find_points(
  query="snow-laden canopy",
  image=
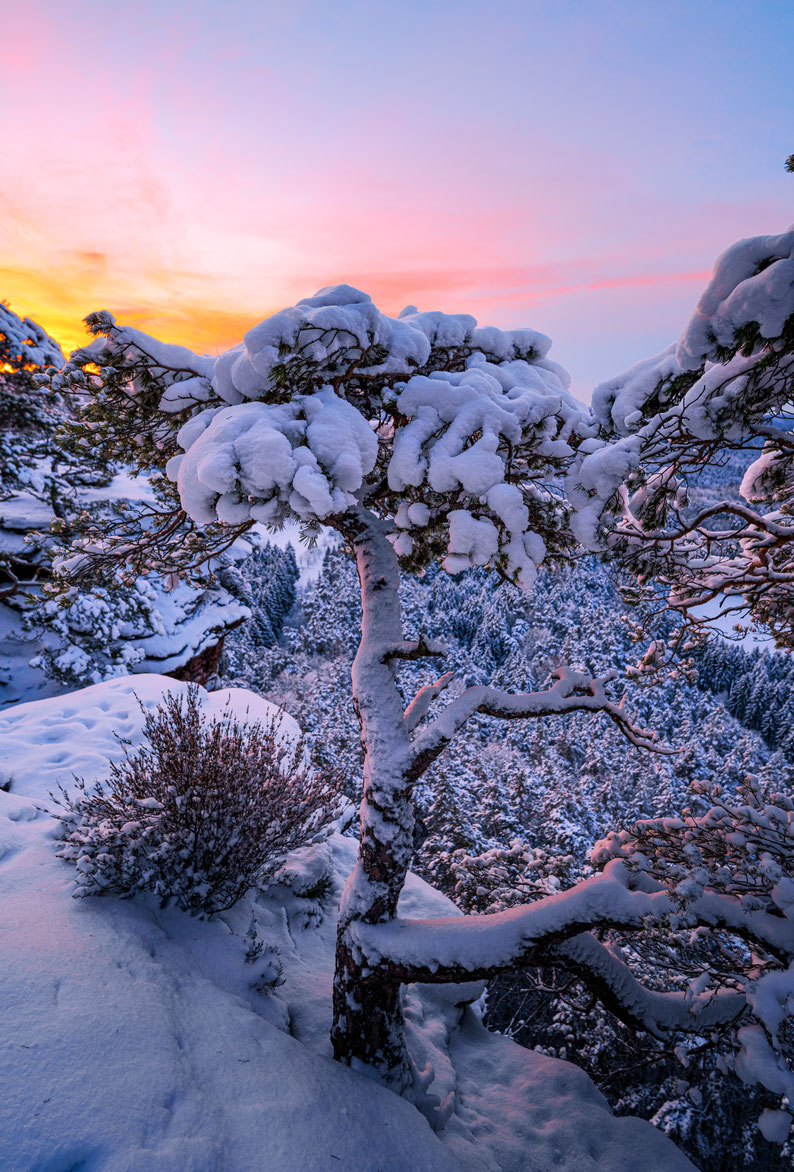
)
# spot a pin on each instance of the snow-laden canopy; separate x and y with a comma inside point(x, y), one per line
point(444, 439)
point(745, 306)
point(454, 433)
point(706, 387)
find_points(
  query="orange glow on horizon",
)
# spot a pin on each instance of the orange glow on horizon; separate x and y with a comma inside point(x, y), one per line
point(447, 175)
point(59, 307)
point(59, 302)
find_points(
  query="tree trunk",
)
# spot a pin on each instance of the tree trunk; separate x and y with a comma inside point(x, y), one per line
point(367, 1028)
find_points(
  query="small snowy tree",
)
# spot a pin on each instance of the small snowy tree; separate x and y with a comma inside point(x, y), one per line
point(27, 421)
point(418, 439)
point(118, 626)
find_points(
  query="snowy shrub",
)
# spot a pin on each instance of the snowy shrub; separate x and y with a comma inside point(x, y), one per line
point(267, 958)
point(199, 814)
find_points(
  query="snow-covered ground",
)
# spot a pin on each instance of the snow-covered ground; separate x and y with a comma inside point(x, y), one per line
point(134, 1040)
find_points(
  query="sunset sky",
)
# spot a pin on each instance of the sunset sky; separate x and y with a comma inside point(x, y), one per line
point(574, 167)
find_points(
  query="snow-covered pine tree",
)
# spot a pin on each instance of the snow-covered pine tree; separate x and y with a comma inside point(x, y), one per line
point(266, 581)
point(92, 634)
point(717, 401)
point(27, 423)
point(421, 439)
point(418, 439)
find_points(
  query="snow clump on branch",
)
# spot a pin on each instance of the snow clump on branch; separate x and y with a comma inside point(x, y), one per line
point(448, 430)
point(24, 345)
point(705, 387)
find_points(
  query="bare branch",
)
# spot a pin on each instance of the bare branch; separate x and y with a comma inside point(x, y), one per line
point(12, 587)
point(421, 648)
point(757, 521)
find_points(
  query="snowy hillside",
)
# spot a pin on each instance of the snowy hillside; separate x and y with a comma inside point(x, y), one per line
point(136, 1040)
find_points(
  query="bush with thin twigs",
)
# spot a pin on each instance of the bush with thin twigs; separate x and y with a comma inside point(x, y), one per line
point(200, 813)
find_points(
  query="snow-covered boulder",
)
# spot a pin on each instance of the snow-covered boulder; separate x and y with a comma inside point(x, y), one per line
point(138, 1039)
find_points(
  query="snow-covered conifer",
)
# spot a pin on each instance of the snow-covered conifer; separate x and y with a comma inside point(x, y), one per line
point(118, 626)
point(423, 441)
point(419, 439)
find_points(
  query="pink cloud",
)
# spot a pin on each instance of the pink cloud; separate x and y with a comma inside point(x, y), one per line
point(211, 205)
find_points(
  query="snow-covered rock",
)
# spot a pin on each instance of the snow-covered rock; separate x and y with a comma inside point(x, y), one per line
point(135, 1038)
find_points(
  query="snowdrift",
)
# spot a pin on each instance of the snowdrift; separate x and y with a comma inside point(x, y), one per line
point(136, 1040)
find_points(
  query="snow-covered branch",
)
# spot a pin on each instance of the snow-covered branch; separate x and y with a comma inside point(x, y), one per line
point(422, 701)
point(475, 947)
point(556, 930)
point(601, 969)
point(756, 524)
point(726, 387)
point(574, 691)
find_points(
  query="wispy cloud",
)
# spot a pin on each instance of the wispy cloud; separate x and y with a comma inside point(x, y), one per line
point(182, 306)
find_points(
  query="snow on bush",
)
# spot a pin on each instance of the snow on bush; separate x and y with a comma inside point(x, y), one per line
point(198, 815)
